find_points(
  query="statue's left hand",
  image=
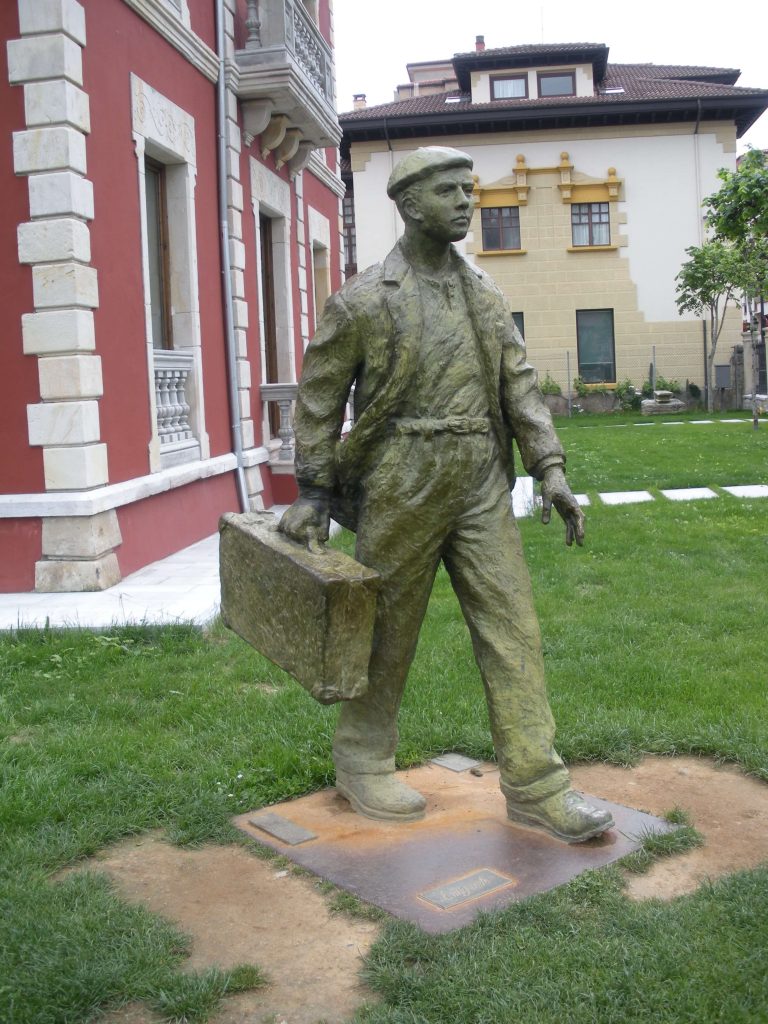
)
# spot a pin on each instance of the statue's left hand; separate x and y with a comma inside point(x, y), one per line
point(555, 491)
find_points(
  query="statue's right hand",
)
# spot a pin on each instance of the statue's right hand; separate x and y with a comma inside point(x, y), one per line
point(307, 521)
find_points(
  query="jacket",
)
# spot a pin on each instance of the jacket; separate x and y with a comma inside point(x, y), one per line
point(369, 336)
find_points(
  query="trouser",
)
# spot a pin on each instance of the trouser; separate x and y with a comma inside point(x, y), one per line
point(446, 497)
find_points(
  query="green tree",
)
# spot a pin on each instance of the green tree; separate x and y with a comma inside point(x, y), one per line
point(705, 285)
point(738, 212)
point(739, 209)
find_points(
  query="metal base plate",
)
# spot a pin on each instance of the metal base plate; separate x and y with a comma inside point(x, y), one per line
point(464, 857)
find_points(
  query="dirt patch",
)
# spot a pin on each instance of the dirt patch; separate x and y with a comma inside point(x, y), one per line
point(240, 909)
point(727, 807)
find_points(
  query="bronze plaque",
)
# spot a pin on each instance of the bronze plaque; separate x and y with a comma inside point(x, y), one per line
point(464, 890)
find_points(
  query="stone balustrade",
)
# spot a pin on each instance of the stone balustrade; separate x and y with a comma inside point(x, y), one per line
point(172, 371)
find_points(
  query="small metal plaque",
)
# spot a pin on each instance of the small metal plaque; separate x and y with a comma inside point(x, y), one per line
point(455, 762)
point(464, 890)
point(283, 829)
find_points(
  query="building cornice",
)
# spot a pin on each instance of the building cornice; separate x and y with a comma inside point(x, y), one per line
point(323, 173)
point(171, 27)
point(488, 118)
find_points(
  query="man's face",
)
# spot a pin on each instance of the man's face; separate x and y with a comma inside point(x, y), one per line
point(442, 207)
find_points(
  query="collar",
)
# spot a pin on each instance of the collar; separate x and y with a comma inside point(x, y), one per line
point(396, 266)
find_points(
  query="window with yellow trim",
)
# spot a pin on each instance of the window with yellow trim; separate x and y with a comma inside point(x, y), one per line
point(591, 224)
point(501, 227)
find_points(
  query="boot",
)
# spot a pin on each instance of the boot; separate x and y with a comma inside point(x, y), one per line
point(565, 815)
point(380, 796)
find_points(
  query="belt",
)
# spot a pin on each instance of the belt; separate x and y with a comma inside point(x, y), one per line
point(427, 426)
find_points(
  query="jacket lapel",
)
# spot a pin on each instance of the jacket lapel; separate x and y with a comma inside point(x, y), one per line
point(404, 308)
point(485, 312)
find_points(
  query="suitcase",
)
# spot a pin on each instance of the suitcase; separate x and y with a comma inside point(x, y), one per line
point(310, 613)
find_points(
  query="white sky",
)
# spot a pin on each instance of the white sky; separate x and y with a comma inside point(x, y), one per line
point(375, 40)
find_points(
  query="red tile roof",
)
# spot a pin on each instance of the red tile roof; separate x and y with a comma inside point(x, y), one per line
point(639, 82)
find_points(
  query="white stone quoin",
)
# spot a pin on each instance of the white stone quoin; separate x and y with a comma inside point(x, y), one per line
point(70, 377)
point(58, 330)
point(49, 149)
point(67, 16)
point(77, 468)
point(60, 194)
point(65, 238)
point(64, 284)
point(56, 102)
point(63, 423)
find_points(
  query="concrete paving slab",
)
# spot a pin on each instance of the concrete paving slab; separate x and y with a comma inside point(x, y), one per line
point(696, 422)
point(455, 762)
point(689, 493)
point(624, 497)
point(582, 499)
point(748, 491)
point(463, 858)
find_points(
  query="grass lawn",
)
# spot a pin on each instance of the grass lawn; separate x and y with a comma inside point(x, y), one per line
point(654, 640)
point(631, 453)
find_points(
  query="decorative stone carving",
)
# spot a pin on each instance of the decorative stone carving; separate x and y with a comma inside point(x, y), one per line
point(301, 159)
point(157, 118)
point(288, 147)
point(274, 134)
point(256, 115)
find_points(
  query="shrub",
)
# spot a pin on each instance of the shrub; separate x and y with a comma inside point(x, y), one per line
point(549, 386)
point(662, 384)
point(628, 395)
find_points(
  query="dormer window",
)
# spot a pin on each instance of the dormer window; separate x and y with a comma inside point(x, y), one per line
point(509, 87)
point(557, 83)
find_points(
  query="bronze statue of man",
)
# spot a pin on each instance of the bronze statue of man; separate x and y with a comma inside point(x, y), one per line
point(442, 388)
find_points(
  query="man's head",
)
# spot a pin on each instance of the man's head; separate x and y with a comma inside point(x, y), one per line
point(433, 191)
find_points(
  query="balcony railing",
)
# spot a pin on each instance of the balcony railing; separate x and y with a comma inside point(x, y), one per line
point(284, 395)
point(174, 430)
point(287, 64)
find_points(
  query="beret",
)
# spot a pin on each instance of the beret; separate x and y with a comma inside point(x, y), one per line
point(422, 163)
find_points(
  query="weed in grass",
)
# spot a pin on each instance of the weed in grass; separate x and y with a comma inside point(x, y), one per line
point(662, 844)
point(341, 902)
point(189, 998)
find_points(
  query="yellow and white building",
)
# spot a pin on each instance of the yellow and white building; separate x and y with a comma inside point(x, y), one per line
point(590, 179)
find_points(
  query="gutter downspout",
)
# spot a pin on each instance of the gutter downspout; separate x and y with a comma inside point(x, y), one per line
point(226, 279)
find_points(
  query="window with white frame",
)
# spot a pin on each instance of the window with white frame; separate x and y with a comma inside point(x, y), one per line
point(164, 142)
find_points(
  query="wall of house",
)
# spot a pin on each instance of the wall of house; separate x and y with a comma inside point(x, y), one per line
point(665, 173)
point(120, 44)
point(90, 493)
point(21, 466)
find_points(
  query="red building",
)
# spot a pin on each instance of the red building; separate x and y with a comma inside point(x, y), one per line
point(171, 225)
